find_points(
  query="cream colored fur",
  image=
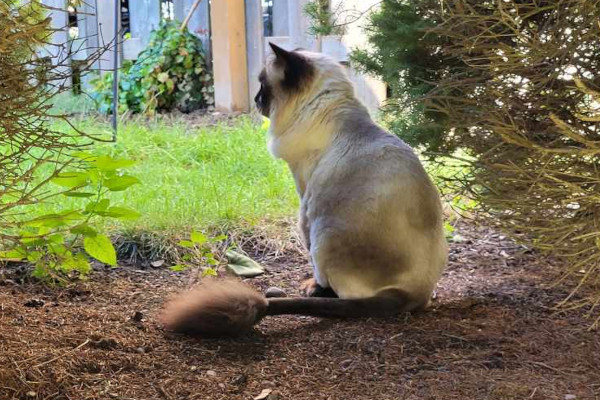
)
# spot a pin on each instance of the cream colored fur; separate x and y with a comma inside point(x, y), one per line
point(370, 216)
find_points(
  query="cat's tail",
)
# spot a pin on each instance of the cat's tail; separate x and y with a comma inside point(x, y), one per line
point(229, 307)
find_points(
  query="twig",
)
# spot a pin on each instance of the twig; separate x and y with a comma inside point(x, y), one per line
point(189, 16)
point(64, 354)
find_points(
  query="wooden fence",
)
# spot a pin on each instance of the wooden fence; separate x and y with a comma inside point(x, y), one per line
point(280, 21)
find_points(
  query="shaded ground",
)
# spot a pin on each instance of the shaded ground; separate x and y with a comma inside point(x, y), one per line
point(490, 335)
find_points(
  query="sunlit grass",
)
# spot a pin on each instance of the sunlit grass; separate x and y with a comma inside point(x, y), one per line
point(198, 177)
point(194, 177)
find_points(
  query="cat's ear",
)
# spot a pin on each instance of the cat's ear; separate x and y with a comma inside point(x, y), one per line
point(280, 53)
point(297, 69)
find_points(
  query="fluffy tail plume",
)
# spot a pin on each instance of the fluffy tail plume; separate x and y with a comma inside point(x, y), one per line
point(227, 308)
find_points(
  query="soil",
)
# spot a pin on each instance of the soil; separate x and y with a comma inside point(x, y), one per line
point(491, 333)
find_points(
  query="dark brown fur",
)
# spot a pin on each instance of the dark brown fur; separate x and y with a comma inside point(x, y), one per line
point(215, 308)
point(230, 308)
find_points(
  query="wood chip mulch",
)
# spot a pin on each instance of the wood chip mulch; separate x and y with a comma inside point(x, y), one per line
point(492, 333)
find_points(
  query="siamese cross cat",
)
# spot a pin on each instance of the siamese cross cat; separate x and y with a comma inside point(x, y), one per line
point(370, 216)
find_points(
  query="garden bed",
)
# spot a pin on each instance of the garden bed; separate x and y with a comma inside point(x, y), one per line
point(490, 334)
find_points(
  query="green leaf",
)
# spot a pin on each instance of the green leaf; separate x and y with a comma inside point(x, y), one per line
point(41, 271)
point(186, 243)
point(198, 238)
point(79, 194)
point(170, 85)
point(210, 259)
point(95, 207)
point(209, 272)
point(101, 248)
point(120, 213)
point(84, 156)
point(120, 183)
point(14, 254)
point(55, 220)
point(162, 77)
point(56, 238)
point(107, 163)
point(82, 264)
point(75, 263)
point(84, 230)
point(34, 256)
point(178, 267)
point(71, 179)
point(58, 249)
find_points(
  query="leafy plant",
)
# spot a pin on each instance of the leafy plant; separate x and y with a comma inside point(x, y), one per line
point(199, 252)
point(50, 242)
point(171, 73)
point(323, 21)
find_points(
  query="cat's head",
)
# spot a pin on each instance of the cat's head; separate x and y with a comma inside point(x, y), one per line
point(292, 76)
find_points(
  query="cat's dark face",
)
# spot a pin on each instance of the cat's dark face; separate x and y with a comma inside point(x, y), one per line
point(286, 74)
point(263, 97)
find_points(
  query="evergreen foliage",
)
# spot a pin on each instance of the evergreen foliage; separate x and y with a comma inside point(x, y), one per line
point(515, 84)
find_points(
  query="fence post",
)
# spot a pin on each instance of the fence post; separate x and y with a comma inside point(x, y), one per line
point(228, 27)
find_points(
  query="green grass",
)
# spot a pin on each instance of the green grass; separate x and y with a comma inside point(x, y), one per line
point(194, 178)
point(67, 103)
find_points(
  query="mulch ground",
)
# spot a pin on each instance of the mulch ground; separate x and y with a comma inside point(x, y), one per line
point(491, 334)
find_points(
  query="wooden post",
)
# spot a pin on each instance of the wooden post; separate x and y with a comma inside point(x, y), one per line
point(229, 55)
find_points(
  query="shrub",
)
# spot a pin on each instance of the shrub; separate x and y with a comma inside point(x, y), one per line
point(516, 85)
point(171, 73)
point(33, 155)
point(50, 241)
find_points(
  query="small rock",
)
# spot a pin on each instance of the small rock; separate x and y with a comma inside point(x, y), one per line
point(34, 303)
point(31, 394)
point(275, 292)
point(193, 368)
point(104, 344)
point(570, 397)
point(157, 263)
point(239, 380)
point(140, 350)
point(137, 317)
point(211, 373)
point(458, 238)
point(222, 386)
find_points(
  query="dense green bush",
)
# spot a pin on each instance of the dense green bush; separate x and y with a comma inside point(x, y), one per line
point(410, 63)
point(171, 73)
point(516, 86)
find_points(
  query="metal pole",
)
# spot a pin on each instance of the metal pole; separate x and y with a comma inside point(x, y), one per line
point(116, 71)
